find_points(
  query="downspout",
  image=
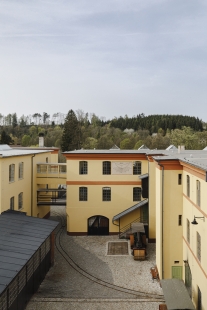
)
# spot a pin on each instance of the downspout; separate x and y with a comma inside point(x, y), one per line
point(32, 174)
point(162, 210)
point(117, 225)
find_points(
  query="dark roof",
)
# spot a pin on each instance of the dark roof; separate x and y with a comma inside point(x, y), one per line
point(176, 295)
point(136, 206)
point(20, 238)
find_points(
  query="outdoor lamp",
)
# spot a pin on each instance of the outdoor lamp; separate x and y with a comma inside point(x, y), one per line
point(194, 222)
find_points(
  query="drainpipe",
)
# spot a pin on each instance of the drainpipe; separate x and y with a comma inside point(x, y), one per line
point(32, 174)
point(162, 210)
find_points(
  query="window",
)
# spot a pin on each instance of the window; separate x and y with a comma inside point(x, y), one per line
point(83, 167)
point(11, 172)
point(106, 167)
point(188, 186)
point(198, 193)
point(20, 201)
point(83, 193)
point(198, 246)
point(179, 220)
point(106, 193)
point(188, 231)
point(179, 179)
point(21, 167)
point(137, 167)
point(137, 193)
point(12, 203)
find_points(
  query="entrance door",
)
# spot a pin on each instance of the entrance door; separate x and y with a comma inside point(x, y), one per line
point(98, 225)
point(177, 272)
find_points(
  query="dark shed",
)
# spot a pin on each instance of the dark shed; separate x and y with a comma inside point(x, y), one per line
point(176, 295)
point(26, 254)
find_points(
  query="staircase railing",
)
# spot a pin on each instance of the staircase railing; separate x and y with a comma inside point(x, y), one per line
point(141, 219)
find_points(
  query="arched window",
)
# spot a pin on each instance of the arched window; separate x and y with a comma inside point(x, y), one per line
point(198, 193)
point(188, 185)
point(137, 167)
point(106, 193)
point(137, 193)
point(106, 167)
point(83, 193)
point(83, 167)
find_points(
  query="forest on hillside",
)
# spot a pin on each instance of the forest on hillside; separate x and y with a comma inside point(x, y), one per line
point(78, 129)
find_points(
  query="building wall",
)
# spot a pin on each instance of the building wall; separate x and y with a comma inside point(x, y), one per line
point(168, 211)
point(24, 185)
point(190, 209)
point(152, 200)
point(121, 192)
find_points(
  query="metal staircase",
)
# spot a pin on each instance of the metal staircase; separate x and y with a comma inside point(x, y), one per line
point(133, 227)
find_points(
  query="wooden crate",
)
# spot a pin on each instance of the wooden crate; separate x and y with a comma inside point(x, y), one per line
point(162, 307)
point(139, 254)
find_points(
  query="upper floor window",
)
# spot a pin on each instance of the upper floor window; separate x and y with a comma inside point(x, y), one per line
point(137, 167)
point(137, 193)
point(198, 246)
point(12, 203)
point(198, 193)
point(20, 201)
point(11, 172)
point(188, 231)
point(179, 179)
point(21, 170)
point(106, 193)
point(106, 167)
point(83, 167)
point(188, 185)
point(83, 193)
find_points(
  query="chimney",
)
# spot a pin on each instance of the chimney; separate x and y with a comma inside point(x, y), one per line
point(41, 139)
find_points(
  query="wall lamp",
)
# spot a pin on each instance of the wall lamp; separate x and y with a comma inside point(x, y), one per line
point(194, 222)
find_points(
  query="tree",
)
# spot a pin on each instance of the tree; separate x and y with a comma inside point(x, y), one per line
point(5, 139)
point(45, 117)
point(71, 133)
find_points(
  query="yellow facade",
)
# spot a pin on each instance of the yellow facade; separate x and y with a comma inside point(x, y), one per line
point(121, 185)
point(18, 180)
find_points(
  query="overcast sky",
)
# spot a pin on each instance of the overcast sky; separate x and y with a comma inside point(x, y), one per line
point(108, 57)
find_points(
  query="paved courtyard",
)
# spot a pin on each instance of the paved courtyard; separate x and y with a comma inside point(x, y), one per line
point(67, 287)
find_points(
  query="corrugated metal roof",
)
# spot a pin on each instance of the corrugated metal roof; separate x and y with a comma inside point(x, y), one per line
point(176, 295)
point(123, 213)
point(20, 238)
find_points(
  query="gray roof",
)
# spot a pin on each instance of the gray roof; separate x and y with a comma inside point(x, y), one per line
point(143, 176)
point(171, 147)
point(20, 152)
point(20, 238)
point(176, 295)
point(123, 213)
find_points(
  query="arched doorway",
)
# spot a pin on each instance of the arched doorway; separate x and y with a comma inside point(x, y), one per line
point(98, 225)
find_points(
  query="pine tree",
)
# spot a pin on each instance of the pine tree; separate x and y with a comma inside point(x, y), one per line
point(71, 133)
point(5, 139)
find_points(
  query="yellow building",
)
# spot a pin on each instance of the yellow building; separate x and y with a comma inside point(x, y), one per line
point(102, 184)
point(19, 181)
point(109, 190)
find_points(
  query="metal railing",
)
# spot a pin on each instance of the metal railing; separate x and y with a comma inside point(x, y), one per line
point(125, 229)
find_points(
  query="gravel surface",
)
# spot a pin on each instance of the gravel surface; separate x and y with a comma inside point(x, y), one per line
point(65, 288)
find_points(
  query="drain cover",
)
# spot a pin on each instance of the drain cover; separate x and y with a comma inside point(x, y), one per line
point(117, 248)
